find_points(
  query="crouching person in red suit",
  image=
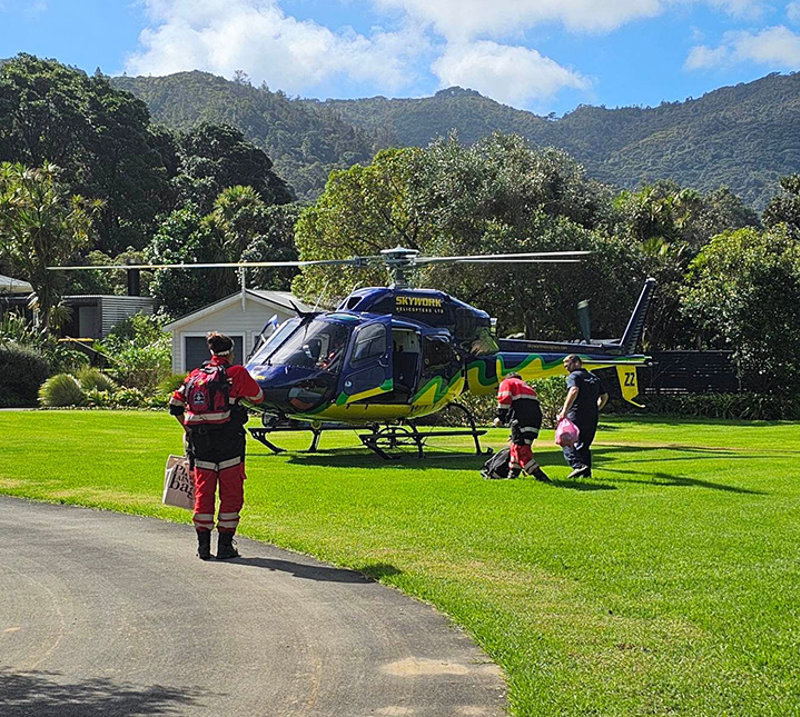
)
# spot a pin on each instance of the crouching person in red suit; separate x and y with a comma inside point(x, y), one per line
point(208, 406)
point(518, 405)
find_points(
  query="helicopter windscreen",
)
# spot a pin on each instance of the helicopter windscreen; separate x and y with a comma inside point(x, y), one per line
point(321, 344)
point(275, 340)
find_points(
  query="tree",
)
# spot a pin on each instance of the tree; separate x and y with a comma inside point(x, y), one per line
point(362, 211)
point(785, 207)
point(274, 242)
point(183, 238)
point(240, 227)
point(499, 196)
point(743, 290)
point(99, 137)
point(214, 157)
point(41, 225)
point(668, 225)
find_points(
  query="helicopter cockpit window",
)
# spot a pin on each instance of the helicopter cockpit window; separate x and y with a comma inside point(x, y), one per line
point(275, 340)
point(484, 343)
point(371, 343)
point(320, 344)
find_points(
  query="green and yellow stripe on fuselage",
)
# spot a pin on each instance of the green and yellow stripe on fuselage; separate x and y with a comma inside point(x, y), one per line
point(482, 376)
point(485, 373)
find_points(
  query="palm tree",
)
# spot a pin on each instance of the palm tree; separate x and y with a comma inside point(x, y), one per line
point(41, 225)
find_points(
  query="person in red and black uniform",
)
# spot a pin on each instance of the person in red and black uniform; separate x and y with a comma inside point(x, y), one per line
point(216, 446)
point(518, 405)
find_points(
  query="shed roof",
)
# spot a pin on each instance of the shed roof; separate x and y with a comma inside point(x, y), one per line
point(279, 299)
point(14, 286)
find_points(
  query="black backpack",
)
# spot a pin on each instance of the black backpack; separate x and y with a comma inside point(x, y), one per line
point(497, 465)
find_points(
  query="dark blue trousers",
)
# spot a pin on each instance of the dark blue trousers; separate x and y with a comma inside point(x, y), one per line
point(579, 454)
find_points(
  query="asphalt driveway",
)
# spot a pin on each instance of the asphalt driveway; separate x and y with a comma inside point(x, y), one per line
point(109, 614)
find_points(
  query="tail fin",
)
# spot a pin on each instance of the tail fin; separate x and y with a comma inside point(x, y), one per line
point(633, 331)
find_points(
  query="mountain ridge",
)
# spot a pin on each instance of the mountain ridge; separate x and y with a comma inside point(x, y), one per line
point(741, 136)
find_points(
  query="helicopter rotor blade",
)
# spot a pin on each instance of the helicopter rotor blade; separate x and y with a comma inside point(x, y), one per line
point(516, 261)
point(501, 257)
point(355, 261)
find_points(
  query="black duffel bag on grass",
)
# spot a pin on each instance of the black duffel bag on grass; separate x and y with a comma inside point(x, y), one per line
point(496, 468)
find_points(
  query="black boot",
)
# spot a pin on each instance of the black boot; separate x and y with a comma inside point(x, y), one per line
point(204, 544)
point(540, 475)
point(225, 547)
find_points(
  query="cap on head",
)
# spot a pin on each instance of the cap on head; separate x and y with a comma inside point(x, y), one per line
point(513, 374)
point(219, 344)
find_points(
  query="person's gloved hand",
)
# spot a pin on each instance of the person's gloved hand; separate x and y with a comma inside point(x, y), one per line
point(497, 423)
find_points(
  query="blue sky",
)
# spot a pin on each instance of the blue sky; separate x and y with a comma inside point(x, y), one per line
point(542, 55)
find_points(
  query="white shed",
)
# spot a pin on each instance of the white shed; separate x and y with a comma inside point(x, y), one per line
point(242, 316)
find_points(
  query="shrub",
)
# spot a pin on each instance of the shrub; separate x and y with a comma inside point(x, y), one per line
point(14, 329)
point(129, 398)
point(61, 390)
point(22, 370)
point(171, 383)
point(64, 359)
point(95, 398)
point(141, 352)
point(93, 379)
point(551, 392)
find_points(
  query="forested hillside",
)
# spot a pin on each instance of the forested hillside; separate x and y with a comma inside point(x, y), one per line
point(743, 137)
point(304, 145)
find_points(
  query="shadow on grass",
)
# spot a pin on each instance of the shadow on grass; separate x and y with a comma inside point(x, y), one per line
point(46, 695)
point(582, 485)
point(608, 452)
point(353, 458)
point(667, 479)
point(679, 421)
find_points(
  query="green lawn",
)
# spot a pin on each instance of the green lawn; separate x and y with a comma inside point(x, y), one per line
point(669, 583)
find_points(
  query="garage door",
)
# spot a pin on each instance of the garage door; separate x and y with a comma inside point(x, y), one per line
point(195, 351)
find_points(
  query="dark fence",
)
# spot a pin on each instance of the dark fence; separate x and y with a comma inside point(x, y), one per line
point(676, 372)
point(673, 373)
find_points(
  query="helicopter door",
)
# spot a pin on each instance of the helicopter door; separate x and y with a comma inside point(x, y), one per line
point(368, 371)
point(441, 367)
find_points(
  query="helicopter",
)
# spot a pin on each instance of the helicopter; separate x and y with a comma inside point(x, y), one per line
point(387, 356)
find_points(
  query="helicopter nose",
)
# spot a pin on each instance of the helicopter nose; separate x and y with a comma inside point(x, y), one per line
point(293, 389)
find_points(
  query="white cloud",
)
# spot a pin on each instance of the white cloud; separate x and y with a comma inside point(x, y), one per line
point(223, 36)
point(739, 8)
point(460, 20)
point(778, 47)
point(514, 75)
point(793, 11)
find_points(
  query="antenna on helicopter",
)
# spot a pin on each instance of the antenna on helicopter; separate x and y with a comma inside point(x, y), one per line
point(321, 294)
point(585, 320)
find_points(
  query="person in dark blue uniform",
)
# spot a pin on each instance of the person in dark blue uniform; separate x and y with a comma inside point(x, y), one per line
point(586, 397)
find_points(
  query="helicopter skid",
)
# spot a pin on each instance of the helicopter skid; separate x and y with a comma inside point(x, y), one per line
point(383, 440)
point(392, 438)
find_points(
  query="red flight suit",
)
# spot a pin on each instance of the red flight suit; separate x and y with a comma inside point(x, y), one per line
point(518, 402)
point(216, 447)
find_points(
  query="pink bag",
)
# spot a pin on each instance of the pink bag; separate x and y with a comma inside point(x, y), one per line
point(567, 433)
